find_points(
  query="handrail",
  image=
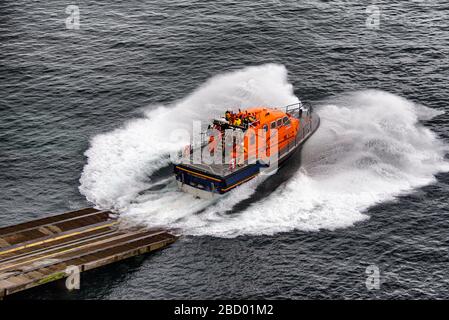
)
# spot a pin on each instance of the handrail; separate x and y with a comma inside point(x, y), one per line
point(307, 108)
point(299, 104)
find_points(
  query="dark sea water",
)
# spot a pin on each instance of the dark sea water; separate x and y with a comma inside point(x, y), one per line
point(59, 88)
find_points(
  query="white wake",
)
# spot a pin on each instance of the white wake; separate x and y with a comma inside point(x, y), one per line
point(369, 148)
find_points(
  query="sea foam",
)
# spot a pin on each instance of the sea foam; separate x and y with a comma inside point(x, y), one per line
point(369, 148)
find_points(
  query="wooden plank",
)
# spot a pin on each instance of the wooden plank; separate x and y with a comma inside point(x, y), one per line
point(4, 243)
point(29, 279)
point(46, 220)
point(49, 258)
point(85, 238)
point(60, 226)
point(64, 235)
point(25, 266)
point(61, 243)
point(127, 254)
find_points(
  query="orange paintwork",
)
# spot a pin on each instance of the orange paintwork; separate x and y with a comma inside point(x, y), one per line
point(265, 117)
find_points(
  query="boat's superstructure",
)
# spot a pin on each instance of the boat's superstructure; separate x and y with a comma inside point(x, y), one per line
point(238, 147)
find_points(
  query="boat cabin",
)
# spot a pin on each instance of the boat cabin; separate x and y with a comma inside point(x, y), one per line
point(254, 123)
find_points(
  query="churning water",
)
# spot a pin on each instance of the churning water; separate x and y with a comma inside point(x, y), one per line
point(85, 116)
point(370, 148)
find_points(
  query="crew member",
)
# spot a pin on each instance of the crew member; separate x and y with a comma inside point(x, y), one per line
point(228, 115)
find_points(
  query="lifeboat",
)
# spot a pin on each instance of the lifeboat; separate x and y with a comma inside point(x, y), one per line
point(239, 146)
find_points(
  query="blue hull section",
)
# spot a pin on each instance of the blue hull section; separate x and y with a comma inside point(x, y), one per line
point(212, 183)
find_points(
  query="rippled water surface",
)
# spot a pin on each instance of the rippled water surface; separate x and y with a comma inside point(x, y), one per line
point(85, 114)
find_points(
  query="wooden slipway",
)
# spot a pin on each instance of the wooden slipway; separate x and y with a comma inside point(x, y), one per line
point(40, 251)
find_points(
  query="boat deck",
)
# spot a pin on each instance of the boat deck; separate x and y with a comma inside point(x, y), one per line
point(223, 170)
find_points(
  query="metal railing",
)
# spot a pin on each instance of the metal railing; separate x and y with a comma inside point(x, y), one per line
point(298, 110)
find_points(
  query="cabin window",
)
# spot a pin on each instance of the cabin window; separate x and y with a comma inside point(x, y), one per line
point(286, 121)
point(265, 128)
point(279, 122)
point(273, 125)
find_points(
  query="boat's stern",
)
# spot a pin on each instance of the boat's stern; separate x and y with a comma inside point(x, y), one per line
point(206, 185)
point(197, 183)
